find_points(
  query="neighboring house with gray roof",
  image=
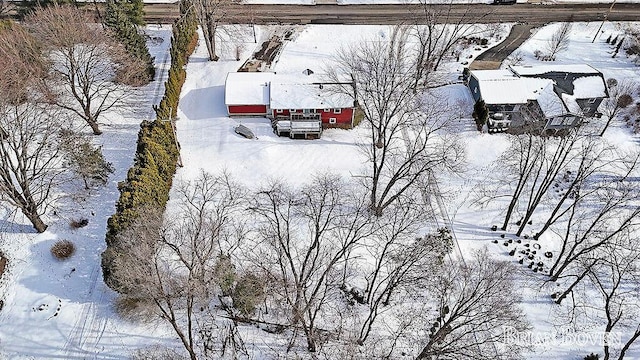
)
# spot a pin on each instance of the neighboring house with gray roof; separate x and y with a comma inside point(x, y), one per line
point(547, 97)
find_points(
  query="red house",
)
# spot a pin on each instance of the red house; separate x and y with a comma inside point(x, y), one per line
point(247, 94)
point(311, 100)
point(296, 106)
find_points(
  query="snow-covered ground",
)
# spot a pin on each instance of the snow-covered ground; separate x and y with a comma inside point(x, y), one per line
point(50, 305)
point(63, 310)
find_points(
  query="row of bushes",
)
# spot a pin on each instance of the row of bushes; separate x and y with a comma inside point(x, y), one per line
point(149, 181)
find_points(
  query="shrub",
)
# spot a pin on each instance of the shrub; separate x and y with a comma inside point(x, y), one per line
point(156, 352)
point(592, 356)
point(480, 114)
point(624, 100)
point(248, 293)
point(134, 309)
point(77, 224)
point(63, 249)
point(225, 274)
point(3, 264)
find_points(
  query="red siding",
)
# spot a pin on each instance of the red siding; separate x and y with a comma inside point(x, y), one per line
point(343, 119)
point(247, 109)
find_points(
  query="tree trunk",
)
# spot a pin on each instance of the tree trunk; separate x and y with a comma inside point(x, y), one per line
point(94, 127)
point(606, 126)
point(36, 221)
point(570, 288)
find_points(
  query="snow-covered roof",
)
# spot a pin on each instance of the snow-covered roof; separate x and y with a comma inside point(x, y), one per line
point(493, 75)
point(501, 87)
point(550, 104)
point(571, 104)
point(286, 95)
point(528, 70)
point(589, 87)
point(504, 87)
point(247, 88)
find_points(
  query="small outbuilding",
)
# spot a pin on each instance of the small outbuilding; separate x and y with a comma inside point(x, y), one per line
point(247, 93)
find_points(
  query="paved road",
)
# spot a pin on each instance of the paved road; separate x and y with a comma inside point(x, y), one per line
point(492, 58)
point(391, 14)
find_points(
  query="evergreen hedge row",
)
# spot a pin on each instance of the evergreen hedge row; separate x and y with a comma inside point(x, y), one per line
point(123, 17)
point(149, 180)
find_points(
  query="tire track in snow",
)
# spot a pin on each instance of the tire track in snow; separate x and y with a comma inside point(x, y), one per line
point(85, 335)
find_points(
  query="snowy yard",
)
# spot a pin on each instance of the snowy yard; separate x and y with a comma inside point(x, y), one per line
point(63, 310)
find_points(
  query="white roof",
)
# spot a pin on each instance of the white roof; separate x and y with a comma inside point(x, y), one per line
point(504, 87)
point(286, 95)
point(589, 87)
point(247, 88)
point(528, 70)
point(550, 104)
point(493, 74)
point(572, 104)
point(501, 87)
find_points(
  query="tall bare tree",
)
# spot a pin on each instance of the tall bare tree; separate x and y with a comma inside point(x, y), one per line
point(600, 221)
point(177, 268)
point(93, 71)
point(437, 33)
point(532, 165)
point(308, 234)
point(620, 97)
point(474, 304)
point(407, 131)
point(616, 282)
point(211, 14)
point(559, 41)
point(29, 142)
point(30, 161)
point(399, 262)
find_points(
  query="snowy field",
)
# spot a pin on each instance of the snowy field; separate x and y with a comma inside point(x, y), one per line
point(63, 310)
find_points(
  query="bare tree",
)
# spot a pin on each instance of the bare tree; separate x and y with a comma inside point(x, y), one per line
point(589, 161)
point(559, 41)
point(29, 142)
point(211, 14)
point(407, 131)
point(402, 261)
point(29, 159)
point(599, 221)
point(533, 165)
point(620, 96)
point(177, 268)
point(616, 282)
point(475, 303)
point(437, 33)
point(308, 234)
point(93, 71)
point(25, 68)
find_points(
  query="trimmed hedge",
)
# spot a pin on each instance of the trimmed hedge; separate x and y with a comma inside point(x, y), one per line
point(149, 181)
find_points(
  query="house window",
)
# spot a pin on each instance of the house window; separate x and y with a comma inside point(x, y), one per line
point(292, 110)
point(592, 101)
point(327, 110)
point(279, 111)
point(332, 120)
point(337, 111)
